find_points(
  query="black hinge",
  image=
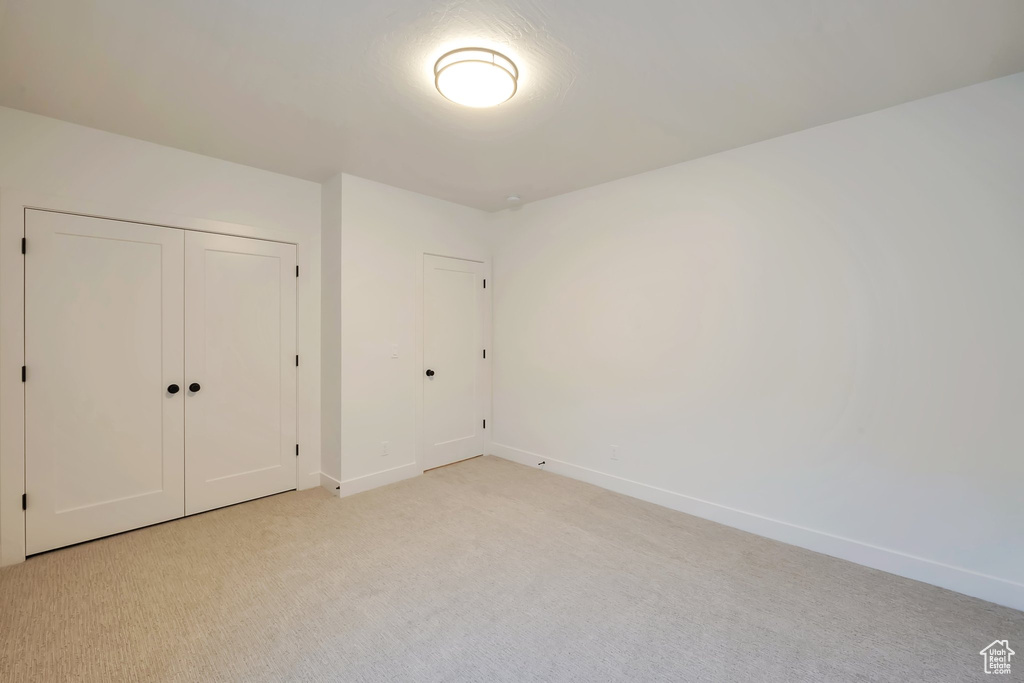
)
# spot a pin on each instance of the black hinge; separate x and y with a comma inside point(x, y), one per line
point(296, 360)
point(22, 245)
point(296, 271)
point(24, 373)
point(485, 283)
point(296, 449)
point(485, 353)
point(485, 424)
point(24, 501)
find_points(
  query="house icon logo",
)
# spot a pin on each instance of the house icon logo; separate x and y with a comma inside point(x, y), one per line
point(997, 657)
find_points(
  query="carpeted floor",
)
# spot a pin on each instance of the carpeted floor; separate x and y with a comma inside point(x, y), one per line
point(482, 571)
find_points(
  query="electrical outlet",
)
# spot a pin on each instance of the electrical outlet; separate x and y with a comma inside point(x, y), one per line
point(385, 448)
point(394, 350)
point(614, 452)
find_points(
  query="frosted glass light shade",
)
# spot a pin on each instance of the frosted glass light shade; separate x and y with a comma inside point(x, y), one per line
point(476, 77)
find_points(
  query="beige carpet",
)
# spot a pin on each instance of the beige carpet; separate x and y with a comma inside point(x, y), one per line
point(482, 571)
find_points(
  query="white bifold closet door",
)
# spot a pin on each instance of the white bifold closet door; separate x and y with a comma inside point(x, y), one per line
point(104, 439)
point(240, 358)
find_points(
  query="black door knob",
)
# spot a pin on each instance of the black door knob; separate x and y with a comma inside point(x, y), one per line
point(194, 387)
point(173, 389)
point(430, 373)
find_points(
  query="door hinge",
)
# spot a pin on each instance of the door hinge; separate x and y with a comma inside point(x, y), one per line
point(24, 373)
point(296, 449)
point(24, 501)
point(23, 243)
point(296, 360)
point(485, 353)
point(485, 424)
point(296, 271)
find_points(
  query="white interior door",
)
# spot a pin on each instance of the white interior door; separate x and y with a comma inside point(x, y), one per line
point(453, 300)
point(240, 370)
point(104, 436)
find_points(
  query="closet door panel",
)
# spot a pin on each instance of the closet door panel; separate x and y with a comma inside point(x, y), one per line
point(104, 448)
point(240, 369)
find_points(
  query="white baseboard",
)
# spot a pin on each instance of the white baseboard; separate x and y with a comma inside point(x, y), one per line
point(330, 483)
point(371, 481)
point(991, 588)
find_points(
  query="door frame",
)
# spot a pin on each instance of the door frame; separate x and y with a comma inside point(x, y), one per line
point(13, 204)
point(486, 340)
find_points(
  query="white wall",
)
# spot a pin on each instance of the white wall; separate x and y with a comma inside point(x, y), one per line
point(330, 347)
point(816, 338)
point(53, 157)
point(384, 233)
point(130, 177)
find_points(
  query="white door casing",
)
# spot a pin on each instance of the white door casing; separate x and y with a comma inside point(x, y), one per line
point(453, 334)
point(240, 426)
point(104, 439)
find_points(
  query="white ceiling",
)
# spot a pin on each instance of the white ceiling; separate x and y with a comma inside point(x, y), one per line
point(608, 88)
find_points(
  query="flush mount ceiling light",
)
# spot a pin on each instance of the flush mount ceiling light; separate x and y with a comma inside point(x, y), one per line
point(476, 77)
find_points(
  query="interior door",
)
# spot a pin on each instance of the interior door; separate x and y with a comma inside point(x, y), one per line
point(453, 299)
point(240, 370)
point(104, 430)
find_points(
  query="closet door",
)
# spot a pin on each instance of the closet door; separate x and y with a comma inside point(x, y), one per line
point(240, 370)
point(104, 428)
